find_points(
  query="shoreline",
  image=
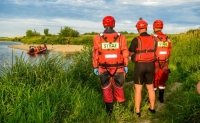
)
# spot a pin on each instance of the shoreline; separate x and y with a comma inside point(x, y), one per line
point(68, 49)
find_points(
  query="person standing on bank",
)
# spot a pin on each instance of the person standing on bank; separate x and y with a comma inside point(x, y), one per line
point(68, 42)
point(52, 43)
point(110, 62)
point(163, 51)
point(142, 52)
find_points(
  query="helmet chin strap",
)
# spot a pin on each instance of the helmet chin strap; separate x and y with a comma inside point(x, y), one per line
point(109, 30)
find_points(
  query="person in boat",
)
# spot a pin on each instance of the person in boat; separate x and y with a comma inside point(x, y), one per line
point(35, 49)
point(39, 48)
point(31, 49)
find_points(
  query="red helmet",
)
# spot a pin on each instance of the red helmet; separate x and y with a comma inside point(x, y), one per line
point(141, 24)
point(109, 21)
point(158, 24)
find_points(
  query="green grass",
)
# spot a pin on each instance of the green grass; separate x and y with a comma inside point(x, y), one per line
point(81, 40)
point(65, 89)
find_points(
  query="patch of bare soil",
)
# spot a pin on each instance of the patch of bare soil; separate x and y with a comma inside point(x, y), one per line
point(158, 106)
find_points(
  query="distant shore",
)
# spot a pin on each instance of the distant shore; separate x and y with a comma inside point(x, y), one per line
point(54, 48)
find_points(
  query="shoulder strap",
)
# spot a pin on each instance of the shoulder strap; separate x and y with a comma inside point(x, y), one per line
point(161, 37)
point(105, 38)
point(139, 42)
point(155, 43)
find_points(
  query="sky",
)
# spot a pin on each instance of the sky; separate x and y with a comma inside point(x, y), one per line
point(18, 16)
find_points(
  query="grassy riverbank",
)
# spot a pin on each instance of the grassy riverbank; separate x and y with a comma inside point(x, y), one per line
point(81, 40)
point(59, 90)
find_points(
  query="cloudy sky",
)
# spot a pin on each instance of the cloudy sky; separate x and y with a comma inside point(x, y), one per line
point(18, 16)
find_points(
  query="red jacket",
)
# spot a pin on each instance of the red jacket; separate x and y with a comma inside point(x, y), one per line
point(110, 50)
point(164, 47)
point(145, 52)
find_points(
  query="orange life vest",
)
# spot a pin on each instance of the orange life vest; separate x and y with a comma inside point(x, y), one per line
point(110, 54)
point(163, 48)
point(145, 51)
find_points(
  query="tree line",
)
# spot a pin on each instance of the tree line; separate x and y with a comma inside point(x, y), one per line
point(64, 32)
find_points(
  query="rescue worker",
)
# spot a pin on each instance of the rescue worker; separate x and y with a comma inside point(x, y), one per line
point(163, 51)
point(68, 42)
point(52, 43)
point(39, 48)
point(110, 62)
point(35, 49)
point(31, 49)
point(142, 52)
point(45, 46)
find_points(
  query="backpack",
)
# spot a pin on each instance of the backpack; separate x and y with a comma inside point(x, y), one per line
point(162, 48)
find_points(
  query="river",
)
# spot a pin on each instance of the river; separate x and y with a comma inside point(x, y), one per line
point(7, 55)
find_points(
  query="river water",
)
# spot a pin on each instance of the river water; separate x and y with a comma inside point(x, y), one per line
point(7, 55)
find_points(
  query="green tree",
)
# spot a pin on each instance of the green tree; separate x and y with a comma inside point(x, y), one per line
point(29, 33)
point(68, 32)
point(123, 32)
point(91, 33)
point(46, 32)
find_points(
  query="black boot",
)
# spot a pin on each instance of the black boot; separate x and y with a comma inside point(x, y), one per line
point(152, 110)
point(161, 96)
point(109, 108)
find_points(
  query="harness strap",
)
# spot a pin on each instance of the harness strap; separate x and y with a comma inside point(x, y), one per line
point(111, 65)
point(105, 38)
point(108, 65)
point(144, 51)
point(162, 66)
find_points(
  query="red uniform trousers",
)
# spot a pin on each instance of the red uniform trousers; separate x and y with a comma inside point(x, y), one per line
point(112, 83)
point(161, 75)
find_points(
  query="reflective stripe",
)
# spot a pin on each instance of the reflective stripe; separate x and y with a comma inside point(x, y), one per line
point(161, 87)
point(101, 34)
point(163, 52)
point(118, 34)
point(111, 56)
point(106, 86)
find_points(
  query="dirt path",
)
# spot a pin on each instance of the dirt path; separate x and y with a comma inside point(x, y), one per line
point(173, 87)
point(158, 105)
